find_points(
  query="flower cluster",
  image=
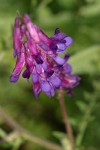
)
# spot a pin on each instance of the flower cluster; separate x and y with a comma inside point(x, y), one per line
point(44, 58)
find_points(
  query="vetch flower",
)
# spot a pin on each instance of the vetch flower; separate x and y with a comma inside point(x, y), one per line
point(40, 56)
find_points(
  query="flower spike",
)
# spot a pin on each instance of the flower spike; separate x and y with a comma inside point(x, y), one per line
point(39, 54)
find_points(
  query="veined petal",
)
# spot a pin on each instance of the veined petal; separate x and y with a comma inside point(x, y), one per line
point(35, 77)
point(32, 46)
point(44, 65)
point(17, 37)
point(36, 89)
point(45, 86)
point(55, 81)
point(43, 37)
point(70, 81)
point(18, 68)
point(51, 92)
point(38, 68)
point(32, 28)
point(43, 46)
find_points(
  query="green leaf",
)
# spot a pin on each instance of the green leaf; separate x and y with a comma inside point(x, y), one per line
point(2, 133)
point(63, 139)
point(1, 56)
point(87, 61)
point(81, 105)
point(91, 10)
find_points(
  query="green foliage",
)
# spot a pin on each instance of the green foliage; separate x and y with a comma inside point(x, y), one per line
point(79, 19)
point(86, 61)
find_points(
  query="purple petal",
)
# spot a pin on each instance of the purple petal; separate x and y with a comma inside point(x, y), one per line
point(35, 77)
point(27, 18)
point(32, 28)
point(38, 68)
point(53, 46)
point(44, 65)
point(45, 86)
point(22, 29)
point(43, 37)
point(58, 36)
point(61, 46)
point(59, 60)
point(26, 74)
point(43, 46)
point(31, 45)
point(18, 68)
point(55, 81)
point(14, 78)
point(49, 73)
point(38, 60)
point(36, 89)
point(68, 40)
point(67, 68)
point(71, 81)
point(57, 31)
point(17, 38)
point(52, 91)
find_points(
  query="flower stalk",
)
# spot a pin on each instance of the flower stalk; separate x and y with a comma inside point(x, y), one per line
point(68, 128)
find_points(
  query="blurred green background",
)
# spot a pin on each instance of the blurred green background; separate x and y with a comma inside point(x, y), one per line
point(79, 19)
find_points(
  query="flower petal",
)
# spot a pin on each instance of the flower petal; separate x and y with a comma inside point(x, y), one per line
point(67, 68)
point(18, 68)
point(49, 73)
point(36, 89)
point(70, 81)
point(38, 60)
point(44, 65)
point(57, 31)
point(61, 61)
point(43, 46)
point(55, 81)
point(45, 86)
point(35, 77)
point(61, 46)
point(26, 74)
point(32, 46)
point(32, 28)
point(17, 38)
point(68, 40)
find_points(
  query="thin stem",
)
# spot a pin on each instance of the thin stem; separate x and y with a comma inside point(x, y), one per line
point(66, 120)
point(26, 134)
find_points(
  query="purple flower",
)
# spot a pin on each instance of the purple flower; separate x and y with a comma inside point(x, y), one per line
point(39, 54)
